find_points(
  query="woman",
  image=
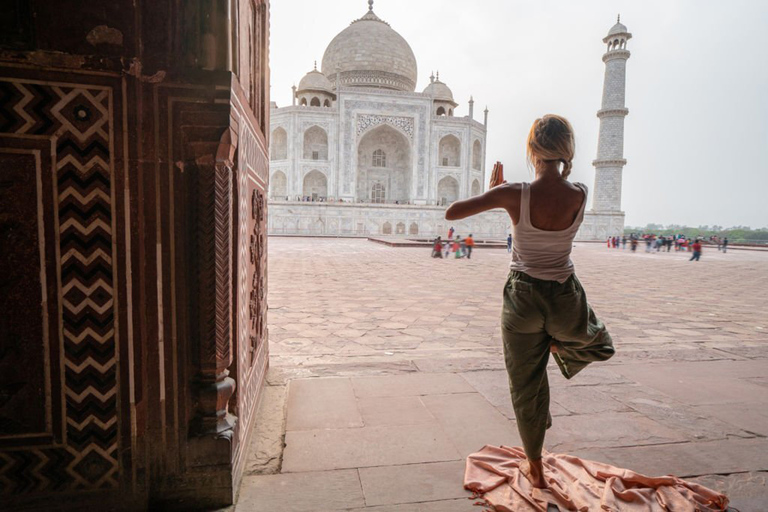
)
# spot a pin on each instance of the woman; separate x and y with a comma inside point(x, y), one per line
point(545, 307)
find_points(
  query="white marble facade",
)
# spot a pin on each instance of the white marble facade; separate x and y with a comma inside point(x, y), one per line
point(360, 152)
point(359, 134)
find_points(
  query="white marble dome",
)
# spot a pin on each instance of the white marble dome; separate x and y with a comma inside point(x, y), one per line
point(439, 91)
point(369, 53)
point(315, 81)
point(618, 28)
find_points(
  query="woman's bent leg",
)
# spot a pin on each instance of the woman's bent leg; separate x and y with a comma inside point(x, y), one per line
point(581, 338)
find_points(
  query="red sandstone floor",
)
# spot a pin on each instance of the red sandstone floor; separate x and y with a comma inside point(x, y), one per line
point(387, 371)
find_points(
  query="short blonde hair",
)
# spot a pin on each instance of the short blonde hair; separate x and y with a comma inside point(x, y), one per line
point(551, 138)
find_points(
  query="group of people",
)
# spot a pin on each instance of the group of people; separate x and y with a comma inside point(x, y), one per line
point(461, 248)
point(659, 243)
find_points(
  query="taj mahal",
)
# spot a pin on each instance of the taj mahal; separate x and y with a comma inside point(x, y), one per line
point(361, 153)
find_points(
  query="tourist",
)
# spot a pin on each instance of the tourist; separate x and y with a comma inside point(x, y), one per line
point(509, 243)
point(623, 242)
point(696, 250)
point(469, 243)
point(545, 307)
point(633, 244)
point(457, 247)
point(725, 245)
point(450, 233)
point(437, 248)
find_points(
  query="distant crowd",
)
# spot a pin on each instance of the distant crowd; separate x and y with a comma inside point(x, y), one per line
point(459, 247)
point(659, 243)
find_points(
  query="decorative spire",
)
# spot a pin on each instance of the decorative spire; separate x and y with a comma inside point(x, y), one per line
point(618, 18)
point(315, 65)
point(370, 5)
point(432, 78)
point(438, 75)
point(471, 99)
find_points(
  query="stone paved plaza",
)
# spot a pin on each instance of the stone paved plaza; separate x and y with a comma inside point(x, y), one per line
point(386, 372)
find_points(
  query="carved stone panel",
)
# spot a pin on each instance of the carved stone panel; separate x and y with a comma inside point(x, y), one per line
point(74, 123)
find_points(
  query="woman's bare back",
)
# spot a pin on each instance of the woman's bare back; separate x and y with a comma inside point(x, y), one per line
point(555, 203)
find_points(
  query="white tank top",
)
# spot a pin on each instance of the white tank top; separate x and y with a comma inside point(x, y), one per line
point(544, 254)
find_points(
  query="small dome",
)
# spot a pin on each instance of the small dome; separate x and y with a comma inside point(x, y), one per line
point(369, 53)
point(315, 81)
point(439, 91)
point(618, 28)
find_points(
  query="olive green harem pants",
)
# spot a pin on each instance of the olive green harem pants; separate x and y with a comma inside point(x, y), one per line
point(536, 314)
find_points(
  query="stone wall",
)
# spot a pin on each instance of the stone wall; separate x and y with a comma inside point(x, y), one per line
point(341, 219)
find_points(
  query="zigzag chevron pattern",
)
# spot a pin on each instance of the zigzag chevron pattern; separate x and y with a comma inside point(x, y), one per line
point(77, 119)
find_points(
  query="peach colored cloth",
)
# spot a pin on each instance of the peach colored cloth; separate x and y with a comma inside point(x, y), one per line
point(498, 475)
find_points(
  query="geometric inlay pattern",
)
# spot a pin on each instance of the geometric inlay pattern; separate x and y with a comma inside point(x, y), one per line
point(77, 119)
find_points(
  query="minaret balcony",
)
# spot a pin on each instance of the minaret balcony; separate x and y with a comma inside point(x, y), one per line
point(612, 112)
point(617, 162)
point(616, 54)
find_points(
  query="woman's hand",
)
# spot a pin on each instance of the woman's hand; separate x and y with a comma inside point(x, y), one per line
point(497, 175)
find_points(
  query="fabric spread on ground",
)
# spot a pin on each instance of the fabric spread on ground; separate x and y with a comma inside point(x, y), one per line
point(498, 474)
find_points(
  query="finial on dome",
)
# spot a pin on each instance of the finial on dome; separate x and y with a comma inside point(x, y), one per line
point(618, 18)
point(370, 5)
point(471, 99)
point(438, 76)
point(432, 78)
point(315, 65)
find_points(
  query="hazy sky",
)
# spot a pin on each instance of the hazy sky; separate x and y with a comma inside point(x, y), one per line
point(697, 87)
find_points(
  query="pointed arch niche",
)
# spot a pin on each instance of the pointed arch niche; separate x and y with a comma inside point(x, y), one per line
point(278, 186)
point(447, 190)
point(278, 144)
point(450, 151)
point(315, 185)
point(384, 157)
point(315, 144)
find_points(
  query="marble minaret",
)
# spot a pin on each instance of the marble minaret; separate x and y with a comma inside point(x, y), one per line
point(610, 161)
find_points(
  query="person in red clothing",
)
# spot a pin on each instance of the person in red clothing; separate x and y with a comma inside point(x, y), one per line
point(437, 248)
point(696, 250)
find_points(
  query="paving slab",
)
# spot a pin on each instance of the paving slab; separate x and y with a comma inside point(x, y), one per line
point(394, 410)
point(693, 459)
point(392, 485)
point(748, 417)
point(608, 429)
point(301, 492)
point(318, 450)
point(700, 383)
point(471, 422)
point(322, 403)
point(747, 492)
point(586, 400)
point(410, 385)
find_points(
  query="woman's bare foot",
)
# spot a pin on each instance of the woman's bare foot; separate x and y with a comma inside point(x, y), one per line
point(537, 474)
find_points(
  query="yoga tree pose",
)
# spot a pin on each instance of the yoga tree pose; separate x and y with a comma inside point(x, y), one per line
point(545, 307)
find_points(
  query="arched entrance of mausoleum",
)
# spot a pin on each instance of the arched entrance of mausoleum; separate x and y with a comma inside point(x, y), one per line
point(384, 164)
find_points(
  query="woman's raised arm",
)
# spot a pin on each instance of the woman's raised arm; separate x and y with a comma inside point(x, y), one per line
point(502, 196)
